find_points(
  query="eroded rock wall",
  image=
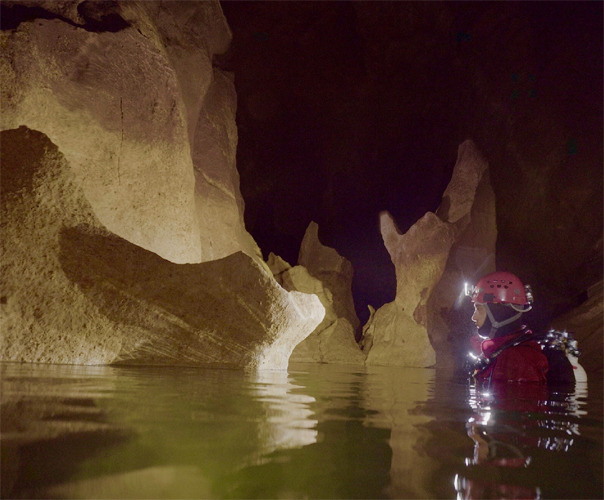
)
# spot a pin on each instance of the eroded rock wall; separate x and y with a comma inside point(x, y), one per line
point(73, 292)
point(399, 328)
point(139, 112)
point(469, 203)
point(586, 323)
point(329, 278)
point(122, 222)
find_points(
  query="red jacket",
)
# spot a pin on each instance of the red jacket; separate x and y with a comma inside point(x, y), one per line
point(522, 363)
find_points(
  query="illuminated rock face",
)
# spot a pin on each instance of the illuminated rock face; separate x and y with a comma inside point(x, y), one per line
point(76, 293)
point(585, 322)
point(144, 120)
point(327, 265)
point(329, 277)
point(398, 332)
point(122, 237)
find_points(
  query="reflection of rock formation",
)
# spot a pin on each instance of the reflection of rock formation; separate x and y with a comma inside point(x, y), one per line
point(323, 272)
point(74, 293)
point(41, 420)
point(394, 394)
point(289, 422)
point(399, 330)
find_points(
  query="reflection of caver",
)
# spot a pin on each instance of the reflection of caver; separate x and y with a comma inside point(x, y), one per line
point(488, 450)
point(511, 426)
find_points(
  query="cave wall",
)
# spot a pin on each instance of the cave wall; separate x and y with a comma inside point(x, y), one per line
point(129, 94)
point(122, 222)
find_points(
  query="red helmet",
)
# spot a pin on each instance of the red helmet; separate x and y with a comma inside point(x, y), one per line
point(501, 288)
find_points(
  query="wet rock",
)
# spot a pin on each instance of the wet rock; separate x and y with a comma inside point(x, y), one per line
point(74, 293)
point(137, 109)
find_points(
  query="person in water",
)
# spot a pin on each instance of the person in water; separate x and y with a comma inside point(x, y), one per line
point(509, 352)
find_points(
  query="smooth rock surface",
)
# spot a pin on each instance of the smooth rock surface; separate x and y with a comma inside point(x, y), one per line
point(586, 323)
point(74, 293)
point(335, 271)
point(399, 328)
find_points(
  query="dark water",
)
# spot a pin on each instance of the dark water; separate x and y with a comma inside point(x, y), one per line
point(315, 431)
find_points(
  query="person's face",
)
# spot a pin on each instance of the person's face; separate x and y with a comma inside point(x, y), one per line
point(480, 315)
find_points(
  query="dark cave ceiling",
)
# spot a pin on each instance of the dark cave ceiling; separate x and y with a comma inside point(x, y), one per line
point(346, 109)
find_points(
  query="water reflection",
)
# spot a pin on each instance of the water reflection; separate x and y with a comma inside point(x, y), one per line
point(395, 394)
point(511, 426)
point(349, 458)
point(288, 420)
point(316, 431)
point(47, 428)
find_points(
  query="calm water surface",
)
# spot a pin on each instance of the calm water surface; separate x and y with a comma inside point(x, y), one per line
point(315, 431)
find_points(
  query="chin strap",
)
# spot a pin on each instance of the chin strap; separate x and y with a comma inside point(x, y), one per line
point(499, 324)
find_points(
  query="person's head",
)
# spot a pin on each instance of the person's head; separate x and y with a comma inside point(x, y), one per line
point(500, 299)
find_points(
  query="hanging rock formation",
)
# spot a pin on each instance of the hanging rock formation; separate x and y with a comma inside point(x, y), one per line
point(329, 276)
point(122, 230)
point(127, 92)
point(398, 332)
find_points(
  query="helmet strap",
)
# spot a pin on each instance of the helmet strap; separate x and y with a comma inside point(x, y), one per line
point(498, 324)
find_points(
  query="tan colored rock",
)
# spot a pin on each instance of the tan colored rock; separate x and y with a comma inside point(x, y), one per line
point(367, 333)
point(400, 334)
point(432, 260)
point(335, 271)
point(146, 123)
point(469, 203)
point(586, 324)
point(74, 293)
point(333, 340)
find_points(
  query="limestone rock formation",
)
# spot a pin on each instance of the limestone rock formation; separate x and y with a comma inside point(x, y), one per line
point(469, 204)
point(327, 265)
point(75, 293)
point(399, 334)
point(128, 93)
point(440, 249)
point(329, 277)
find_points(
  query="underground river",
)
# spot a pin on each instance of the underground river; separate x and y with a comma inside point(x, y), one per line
point(313, 431)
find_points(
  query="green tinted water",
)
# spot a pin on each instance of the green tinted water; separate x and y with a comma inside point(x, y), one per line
point(315, 431)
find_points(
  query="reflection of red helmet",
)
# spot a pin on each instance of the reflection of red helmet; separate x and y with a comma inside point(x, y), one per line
point(501, 288)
